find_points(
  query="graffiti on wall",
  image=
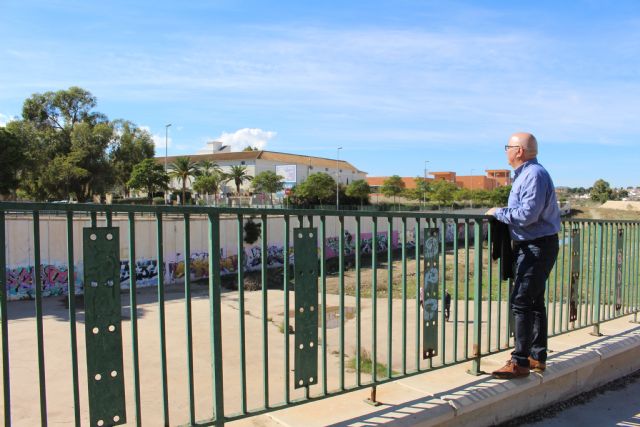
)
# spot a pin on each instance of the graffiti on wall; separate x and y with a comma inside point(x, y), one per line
point(20, 281)
point(146, 273)
point(332, 244)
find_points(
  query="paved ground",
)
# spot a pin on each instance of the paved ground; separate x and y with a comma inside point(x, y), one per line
point(24, 371)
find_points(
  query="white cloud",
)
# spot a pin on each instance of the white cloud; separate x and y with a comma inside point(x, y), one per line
point(247, 137)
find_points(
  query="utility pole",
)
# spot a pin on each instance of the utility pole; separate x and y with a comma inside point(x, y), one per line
point(338, 180)
point(424, 187)
point(166, 152)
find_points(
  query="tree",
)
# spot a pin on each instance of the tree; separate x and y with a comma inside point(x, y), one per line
point(63, 124)
point(209, 184)
point(130, 146)
point(499, 196)
point(443, 191)
point(148, 175)
point(601, 191)
point(11, 162)
point(392, 187)
point(359, 189)
point(317, 188)
point(250, 148)
point(207, 167)
point(268, 182)
point(238, 175)
point(423, 188)
point(183, 169)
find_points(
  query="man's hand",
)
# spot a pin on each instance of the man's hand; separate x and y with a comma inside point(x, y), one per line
point(491, 211)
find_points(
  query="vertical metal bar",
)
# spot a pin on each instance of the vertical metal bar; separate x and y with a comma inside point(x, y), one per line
point(389, 294)
point(215, 322)
point(490, 288)
point(133, 308)
point(603, 289)
point(265, 312)
point(188, 317)
point(612, 271)
point(636, 272)
point(499, 315)
point(562, 277)
point(466, 289)
point(404, 296)
point(241, 320)
point(37, 284)
point(477, 295)
point(358, 304)
point(598, 279)
point(418, 240)
point(341, 291)
point(374, 306)
point(636, 229)
point(626, 284)
point(323, 274)
point(285, 287)
point(71, 294)
point(6, 386)
point(443, 287)
point(556, 268)
point(590, 274)
point(454, 300)
point(581, 269)
point(94, 219)
point(161, 312)
point(109, 218)
point(605, 293)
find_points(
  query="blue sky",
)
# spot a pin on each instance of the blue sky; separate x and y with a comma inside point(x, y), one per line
point(395, 83)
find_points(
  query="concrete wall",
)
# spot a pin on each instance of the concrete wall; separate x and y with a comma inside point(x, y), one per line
point(53, 250)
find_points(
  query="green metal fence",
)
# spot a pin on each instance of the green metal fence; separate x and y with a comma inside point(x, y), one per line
point(374, 313)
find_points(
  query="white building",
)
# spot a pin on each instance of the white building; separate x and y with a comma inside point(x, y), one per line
point(294, 167)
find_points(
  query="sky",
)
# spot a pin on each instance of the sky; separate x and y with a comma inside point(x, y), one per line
point(397, 84)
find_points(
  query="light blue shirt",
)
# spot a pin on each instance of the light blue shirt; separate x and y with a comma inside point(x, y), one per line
point(532, 211)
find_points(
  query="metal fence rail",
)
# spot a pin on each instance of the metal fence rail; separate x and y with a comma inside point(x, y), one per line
point(377, 296)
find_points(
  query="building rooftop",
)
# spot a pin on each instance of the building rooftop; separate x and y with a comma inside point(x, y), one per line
point(274, 156)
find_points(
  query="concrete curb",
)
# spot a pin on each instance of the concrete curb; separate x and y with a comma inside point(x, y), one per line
point(485, 401)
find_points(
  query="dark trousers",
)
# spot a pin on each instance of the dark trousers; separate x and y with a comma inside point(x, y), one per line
point(534, 260)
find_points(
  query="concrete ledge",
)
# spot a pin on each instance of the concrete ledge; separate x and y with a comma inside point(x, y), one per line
point(451, 397)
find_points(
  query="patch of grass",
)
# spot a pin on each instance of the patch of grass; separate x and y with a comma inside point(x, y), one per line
point(366, 365)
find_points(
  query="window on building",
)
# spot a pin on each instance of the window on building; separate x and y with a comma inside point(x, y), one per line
point(242, 162)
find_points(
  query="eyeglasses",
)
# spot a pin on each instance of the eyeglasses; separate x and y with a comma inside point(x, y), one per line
point(506, 147)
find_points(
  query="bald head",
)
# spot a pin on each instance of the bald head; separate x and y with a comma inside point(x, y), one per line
point(527, 141)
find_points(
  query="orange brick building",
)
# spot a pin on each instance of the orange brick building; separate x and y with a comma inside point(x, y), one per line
point(494, 178)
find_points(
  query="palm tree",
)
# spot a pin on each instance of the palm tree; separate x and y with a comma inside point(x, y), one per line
point(207, 167)
point(183, 169)
point(238, 175)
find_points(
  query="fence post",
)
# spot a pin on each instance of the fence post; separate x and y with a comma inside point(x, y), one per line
point(598, 279)
point(215, 319)
point(477, 297)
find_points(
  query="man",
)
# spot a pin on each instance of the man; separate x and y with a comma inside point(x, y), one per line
point(533, 218)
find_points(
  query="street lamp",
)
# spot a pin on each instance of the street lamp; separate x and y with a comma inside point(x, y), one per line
point(338, 180)
point(166, 152)
point(424, 193)
point(166, 145)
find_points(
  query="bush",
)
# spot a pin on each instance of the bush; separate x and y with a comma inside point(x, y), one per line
point(158, 200)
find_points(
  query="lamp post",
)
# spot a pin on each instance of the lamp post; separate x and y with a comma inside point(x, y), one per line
point(424, 193)
point(338, 180)
point(166, 144)
point(166, 152)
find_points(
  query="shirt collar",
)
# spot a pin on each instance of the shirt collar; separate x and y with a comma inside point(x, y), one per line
point(520, 168)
